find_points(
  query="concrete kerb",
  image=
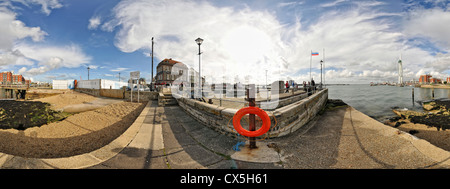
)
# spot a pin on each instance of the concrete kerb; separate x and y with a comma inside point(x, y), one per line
point(426, 148)
point(79, 161)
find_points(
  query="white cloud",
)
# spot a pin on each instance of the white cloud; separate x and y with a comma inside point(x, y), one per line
point(46, 5)
point(12, 30)
point(292, 3)
point(94, 67)
point(94, 22)
point(332, 4)
point(359, 42)
point(119, 69)
point(52, 57)
point(441, 64)
point(429, 23)
point(72, 55)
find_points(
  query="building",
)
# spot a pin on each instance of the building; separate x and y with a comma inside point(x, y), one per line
point(448, 80)
point(425, 79)
point(164, 75)
point(18, 79)
point(8, 78)
point(435, 80)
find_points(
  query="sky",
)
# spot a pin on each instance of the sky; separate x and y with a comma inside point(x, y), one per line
point(359, 41)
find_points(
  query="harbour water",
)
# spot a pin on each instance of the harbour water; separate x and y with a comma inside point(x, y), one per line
point(378, 101)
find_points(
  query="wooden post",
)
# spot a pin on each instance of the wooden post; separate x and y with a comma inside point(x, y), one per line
point(251, 102)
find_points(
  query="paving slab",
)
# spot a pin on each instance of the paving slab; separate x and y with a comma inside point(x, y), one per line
point(261, 154)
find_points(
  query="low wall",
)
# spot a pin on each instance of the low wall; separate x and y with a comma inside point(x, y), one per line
point(287, 119)
point(143, 95)
point(112, 93)
point(121, 94)
point(93, 92)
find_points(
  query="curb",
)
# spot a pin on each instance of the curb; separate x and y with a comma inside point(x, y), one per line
point(78, 161)
point(429, 150)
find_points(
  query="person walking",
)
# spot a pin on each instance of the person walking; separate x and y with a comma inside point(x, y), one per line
point(287, 87)
point(304, 86)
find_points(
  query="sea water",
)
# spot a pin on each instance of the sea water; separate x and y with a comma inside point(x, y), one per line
point(378, 101)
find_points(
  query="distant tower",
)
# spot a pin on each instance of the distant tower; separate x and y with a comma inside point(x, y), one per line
point(400, 71)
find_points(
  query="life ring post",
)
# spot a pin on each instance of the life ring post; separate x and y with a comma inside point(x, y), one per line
point(251, 93)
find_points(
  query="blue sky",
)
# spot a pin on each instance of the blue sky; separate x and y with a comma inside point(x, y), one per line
point(58, 39)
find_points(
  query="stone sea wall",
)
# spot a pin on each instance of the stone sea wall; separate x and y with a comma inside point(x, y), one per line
point(284, 120)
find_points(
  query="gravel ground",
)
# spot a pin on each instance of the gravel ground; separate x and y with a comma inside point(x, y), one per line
point(77, 134)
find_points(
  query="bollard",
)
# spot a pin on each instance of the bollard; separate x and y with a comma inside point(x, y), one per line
point(412, 93)
point(251, 103)
point(432, 93)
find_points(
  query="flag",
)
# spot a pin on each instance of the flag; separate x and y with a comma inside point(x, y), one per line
point(314, 54)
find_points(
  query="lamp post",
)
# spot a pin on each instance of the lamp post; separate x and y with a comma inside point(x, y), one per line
point(199, 42)
point(88, 71)
point(151, 80)
point(321, 62)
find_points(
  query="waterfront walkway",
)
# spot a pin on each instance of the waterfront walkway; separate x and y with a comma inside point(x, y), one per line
point(166, 137)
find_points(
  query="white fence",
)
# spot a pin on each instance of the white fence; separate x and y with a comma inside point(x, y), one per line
point(108, 84)
point(63, 84)
point(100, 84)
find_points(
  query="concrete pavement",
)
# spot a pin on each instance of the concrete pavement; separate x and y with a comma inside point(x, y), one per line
point(168, 138)
point(340, 138)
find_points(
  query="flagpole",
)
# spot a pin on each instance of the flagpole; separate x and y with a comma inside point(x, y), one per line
point(324, 66)
point(310, 62)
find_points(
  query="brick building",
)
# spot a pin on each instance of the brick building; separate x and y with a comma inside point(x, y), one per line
point(18, 79)
point(8, 78)
point(435, 80)
point(425, 79)
point(164, 74)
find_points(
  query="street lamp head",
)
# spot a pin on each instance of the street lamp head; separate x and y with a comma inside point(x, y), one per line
point(199, 41)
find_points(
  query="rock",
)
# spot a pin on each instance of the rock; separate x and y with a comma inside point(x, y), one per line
point(405, 114)
point(394, 119)
point(429, 106)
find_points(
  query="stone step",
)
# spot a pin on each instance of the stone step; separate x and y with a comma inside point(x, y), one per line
point(166, 99)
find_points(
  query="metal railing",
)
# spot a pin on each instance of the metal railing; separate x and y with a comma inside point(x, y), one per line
point(282, 95)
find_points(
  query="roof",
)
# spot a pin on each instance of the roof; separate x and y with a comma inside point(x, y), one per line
point(168, 62)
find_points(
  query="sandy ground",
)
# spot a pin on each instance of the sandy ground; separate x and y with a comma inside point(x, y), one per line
point(77, 134)
point(66, 99)
point(431, 134)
